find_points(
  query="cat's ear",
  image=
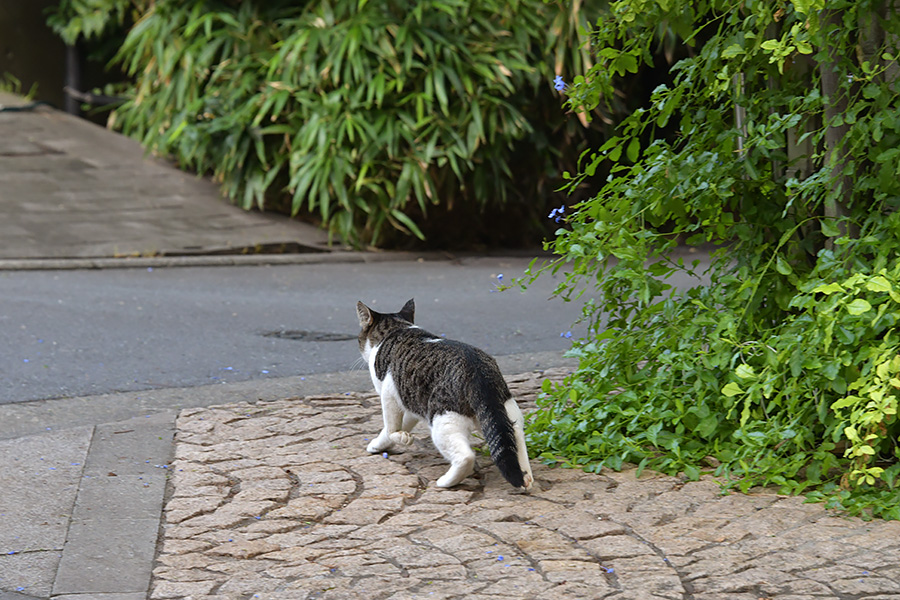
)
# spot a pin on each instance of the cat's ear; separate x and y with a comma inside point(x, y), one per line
point(408, 312)
point(365, 315)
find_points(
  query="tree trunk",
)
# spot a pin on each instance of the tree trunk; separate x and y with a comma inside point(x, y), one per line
point(835, 104)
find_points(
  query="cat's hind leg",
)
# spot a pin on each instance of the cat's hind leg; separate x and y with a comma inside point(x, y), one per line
point(450, 433)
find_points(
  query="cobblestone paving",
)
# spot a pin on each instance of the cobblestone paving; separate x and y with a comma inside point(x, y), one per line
point(280, 500)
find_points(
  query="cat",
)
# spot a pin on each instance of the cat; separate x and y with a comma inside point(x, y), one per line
point(449, 385)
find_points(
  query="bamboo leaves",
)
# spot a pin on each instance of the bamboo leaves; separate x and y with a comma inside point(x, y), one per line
point(360, 114)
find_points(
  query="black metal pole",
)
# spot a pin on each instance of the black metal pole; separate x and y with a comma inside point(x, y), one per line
point(73, 79)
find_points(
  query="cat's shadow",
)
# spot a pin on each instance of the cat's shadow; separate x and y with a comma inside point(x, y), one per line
point(422, 459)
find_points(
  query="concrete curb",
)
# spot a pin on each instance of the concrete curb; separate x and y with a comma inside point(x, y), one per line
point(237, 260)
point(218, 260)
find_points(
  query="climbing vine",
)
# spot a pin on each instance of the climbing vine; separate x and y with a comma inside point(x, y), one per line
point(776, 144)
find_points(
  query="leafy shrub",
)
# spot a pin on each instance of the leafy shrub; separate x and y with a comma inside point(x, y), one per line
point(74, 20)
point(362, 113)
point(784, 369)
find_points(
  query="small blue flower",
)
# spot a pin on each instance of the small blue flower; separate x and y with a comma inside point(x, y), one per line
point(384, 455)
point(557, 213)
point(500, 277)
point(567, 335)
point(558, 83)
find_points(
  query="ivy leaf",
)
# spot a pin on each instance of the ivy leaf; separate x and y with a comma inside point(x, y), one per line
point(844, 402)
point(805, 7)
point(692, 472)
point(871, 91)
point(782, 266)
point(829, 229)
point(828, 289)
point(634, 149)
point(879, 284)
point(732, 51)
point(732, 389)
point(707, 427)
point(858, 307)
point(745, 372)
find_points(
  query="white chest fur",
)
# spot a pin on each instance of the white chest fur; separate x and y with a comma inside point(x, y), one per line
point(369, 353)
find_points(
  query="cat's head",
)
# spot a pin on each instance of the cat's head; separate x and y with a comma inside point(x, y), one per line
point(375, 326)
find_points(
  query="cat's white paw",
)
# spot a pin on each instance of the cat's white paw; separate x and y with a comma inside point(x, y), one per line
point(446, 481)
point(457, 472)
point(402, 437)
point(379, 445)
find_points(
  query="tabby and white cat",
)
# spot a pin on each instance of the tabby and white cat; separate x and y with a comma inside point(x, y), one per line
point(448, 384)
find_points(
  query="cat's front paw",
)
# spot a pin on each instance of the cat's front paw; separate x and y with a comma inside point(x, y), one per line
point(379, 445)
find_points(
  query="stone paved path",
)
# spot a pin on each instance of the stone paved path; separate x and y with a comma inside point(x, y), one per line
point(280, 500)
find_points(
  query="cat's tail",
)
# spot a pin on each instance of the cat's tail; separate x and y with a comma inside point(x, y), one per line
point(502, 427)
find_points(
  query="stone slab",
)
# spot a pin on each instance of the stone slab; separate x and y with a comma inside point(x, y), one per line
point(112, 535)
point(39, 476)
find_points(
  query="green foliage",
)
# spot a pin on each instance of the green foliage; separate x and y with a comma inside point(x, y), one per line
point(363, 114)
point(10, 83)
point(73, 20)
point(783, 369)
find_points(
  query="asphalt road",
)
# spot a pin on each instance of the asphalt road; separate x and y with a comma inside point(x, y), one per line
point(88, 332)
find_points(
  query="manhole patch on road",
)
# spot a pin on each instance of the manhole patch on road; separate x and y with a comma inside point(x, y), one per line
point(301, 335)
